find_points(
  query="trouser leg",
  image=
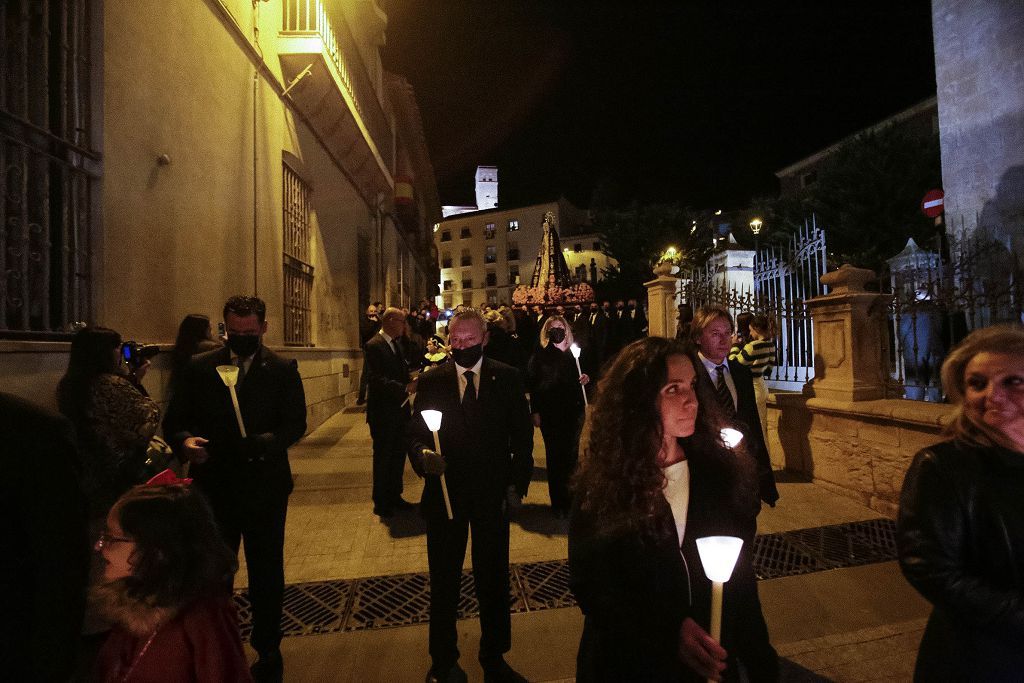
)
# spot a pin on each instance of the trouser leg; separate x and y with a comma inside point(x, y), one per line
point(264, 557)
point(491, 576)
point(446, 549)
point(383, 489)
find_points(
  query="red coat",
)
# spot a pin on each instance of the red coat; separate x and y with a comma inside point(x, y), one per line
point(200, 644)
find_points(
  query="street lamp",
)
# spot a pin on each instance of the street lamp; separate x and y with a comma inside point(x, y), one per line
point(755, 227)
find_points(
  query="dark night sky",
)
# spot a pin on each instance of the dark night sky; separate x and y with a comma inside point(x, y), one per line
point(696, 102)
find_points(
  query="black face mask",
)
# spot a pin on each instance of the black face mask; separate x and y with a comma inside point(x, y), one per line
point(243, 345)
point(631, 307)
point(556, 335)
point(468, 357)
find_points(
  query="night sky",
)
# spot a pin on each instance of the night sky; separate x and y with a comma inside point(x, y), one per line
point(691, 102)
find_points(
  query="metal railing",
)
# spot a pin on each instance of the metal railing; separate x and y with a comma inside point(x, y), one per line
point(935, 300)
point(309, 17)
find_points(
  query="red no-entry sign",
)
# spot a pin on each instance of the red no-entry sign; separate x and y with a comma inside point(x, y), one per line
point(931, 205)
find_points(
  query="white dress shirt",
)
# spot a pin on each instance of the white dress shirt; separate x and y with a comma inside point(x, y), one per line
point(460, 372)
point(677, 493)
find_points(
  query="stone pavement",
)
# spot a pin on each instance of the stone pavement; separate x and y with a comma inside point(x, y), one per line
point(853, 624)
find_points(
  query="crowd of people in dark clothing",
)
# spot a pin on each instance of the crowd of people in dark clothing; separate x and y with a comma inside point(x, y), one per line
point(650, 442)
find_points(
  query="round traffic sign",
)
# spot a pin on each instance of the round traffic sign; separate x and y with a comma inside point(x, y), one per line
point(931, 205)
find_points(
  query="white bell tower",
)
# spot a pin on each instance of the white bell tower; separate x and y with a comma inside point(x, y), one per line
point(486, 187)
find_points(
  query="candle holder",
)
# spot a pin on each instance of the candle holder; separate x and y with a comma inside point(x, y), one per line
point(433, 420)
point(718, 554)
point(229, 375)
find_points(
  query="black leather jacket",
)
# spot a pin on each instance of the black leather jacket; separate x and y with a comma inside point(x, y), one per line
point(961, 545)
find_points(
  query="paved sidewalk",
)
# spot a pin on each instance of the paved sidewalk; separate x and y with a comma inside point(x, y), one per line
point(856, 624)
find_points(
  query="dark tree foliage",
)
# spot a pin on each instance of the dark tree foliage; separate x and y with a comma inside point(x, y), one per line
point(636, 236)
point(867, 198)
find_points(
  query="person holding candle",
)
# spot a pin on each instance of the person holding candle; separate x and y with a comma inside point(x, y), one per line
point(654, 477)
point(247, 480)
point(961, 522)
point(486, 457)
point(556, 400)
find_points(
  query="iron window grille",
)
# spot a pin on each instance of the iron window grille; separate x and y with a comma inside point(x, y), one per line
point(298, 272)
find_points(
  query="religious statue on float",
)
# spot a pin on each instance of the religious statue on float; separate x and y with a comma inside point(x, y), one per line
point(552, 282)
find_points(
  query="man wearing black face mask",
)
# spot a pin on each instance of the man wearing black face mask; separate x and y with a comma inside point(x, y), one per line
point(486, 441)
point(247, 480)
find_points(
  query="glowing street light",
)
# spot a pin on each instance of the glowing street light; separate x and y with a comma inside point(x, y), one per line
point(755, 227)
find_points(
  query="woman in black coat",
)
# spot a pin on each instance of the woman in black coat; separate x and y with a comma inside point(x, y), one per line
point(961, 521)
point(653, 478)
point(557, 405)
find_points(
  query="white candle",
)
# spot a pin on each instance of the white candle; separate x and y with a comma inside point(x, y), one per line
point(229, 375)
point(718, 554)
point(576, 354)
point(433, 420)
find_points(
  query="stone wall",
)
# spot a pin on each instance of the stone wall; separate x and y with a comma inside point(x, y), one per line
point(858, 449)
point(979, 74)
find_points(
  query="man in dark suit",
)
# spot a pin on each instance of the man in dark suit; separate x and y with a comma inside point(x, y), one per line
point(387, 410)
point(486, 440)
point(636, 322)
point(247, 480)
point(732, 383)
point(44, 551)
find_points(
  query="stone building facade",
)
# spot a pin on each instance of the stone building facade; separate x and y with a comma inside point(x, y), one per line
point(979, 74)
point(214, 147)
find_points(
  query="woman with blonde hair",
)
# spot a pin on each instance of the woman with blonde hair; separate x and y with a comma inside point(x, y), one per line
point(557, 404)
point(960, 529)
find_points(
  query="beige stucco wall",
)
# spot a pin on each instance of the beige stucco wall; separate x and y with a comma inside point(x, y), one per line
point(860, 449)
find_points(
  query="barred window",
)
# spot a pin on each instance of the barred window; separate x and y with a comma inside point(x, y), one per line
point(298, 273)
point(489, 231)
point(47, 167)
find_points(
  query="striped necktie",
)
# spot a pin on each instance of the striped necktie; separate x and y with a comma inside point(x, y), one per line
point(722, 390)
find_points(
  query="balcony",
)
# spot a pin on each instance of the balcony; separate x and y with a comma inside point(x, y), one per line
point(338, 96)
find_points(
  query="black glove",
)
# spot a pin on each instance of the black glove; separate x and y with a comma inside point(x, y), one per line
point(256, 448)
point(432, 462)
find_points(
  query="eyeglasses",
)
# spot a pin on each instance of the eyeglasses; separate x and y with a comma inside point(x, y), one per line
point(106, 539)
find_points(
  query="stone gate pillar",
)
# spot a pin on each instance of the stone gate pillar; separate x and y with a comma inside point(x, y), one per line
point(661, 303)
point(849, 336)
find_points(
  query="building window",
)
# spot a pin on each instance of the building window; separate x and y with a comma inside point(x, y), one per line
point(467, 298)
point(578, 248)
point(48, 165)
point(298, 273)
point(446, 235)
point(491, 254)
point(492, 279)
point(513, 226)
point(489, 231)
point(513, 251)
point(446, 260)
point(467, 259)
point(466, 233)
point(581, 273)
point(597, 246)
point(513, 274)
point(448, 284)
point(467, 282)
point(808, 178)
point(492, 296)
point(446, 301)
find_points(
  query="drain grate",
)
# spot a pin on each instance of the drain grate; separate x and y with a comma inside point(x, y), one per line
point(403, 600)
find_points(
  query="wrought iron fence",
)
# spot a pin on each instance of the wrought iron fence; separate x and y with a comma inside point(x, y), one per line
point(936, 299)
point(780, 280)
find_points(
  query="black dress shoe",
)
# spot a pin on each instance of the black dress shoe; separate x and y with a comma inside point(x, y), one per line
point(382, 511)
point(498, 671)
point(269, 668)
point(453, 674)
point(402, 504)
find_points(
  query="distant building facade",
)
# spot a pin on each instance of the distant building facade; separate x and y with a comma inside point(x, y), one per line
point(798, 176)
point(237, 148)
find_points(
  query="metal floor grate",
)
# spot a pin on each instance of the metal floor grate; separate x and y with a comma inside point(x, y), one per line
point(404, 599)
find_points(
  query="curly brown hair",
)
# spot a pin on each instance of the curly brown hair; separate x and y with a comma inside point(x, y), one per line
point(180, 555)
point(619, 480)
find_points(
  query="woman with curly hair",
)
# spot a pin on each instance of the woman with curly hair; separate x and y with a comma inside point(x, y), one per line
point(655, 476)
point(166, 588)
point(113, 416)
